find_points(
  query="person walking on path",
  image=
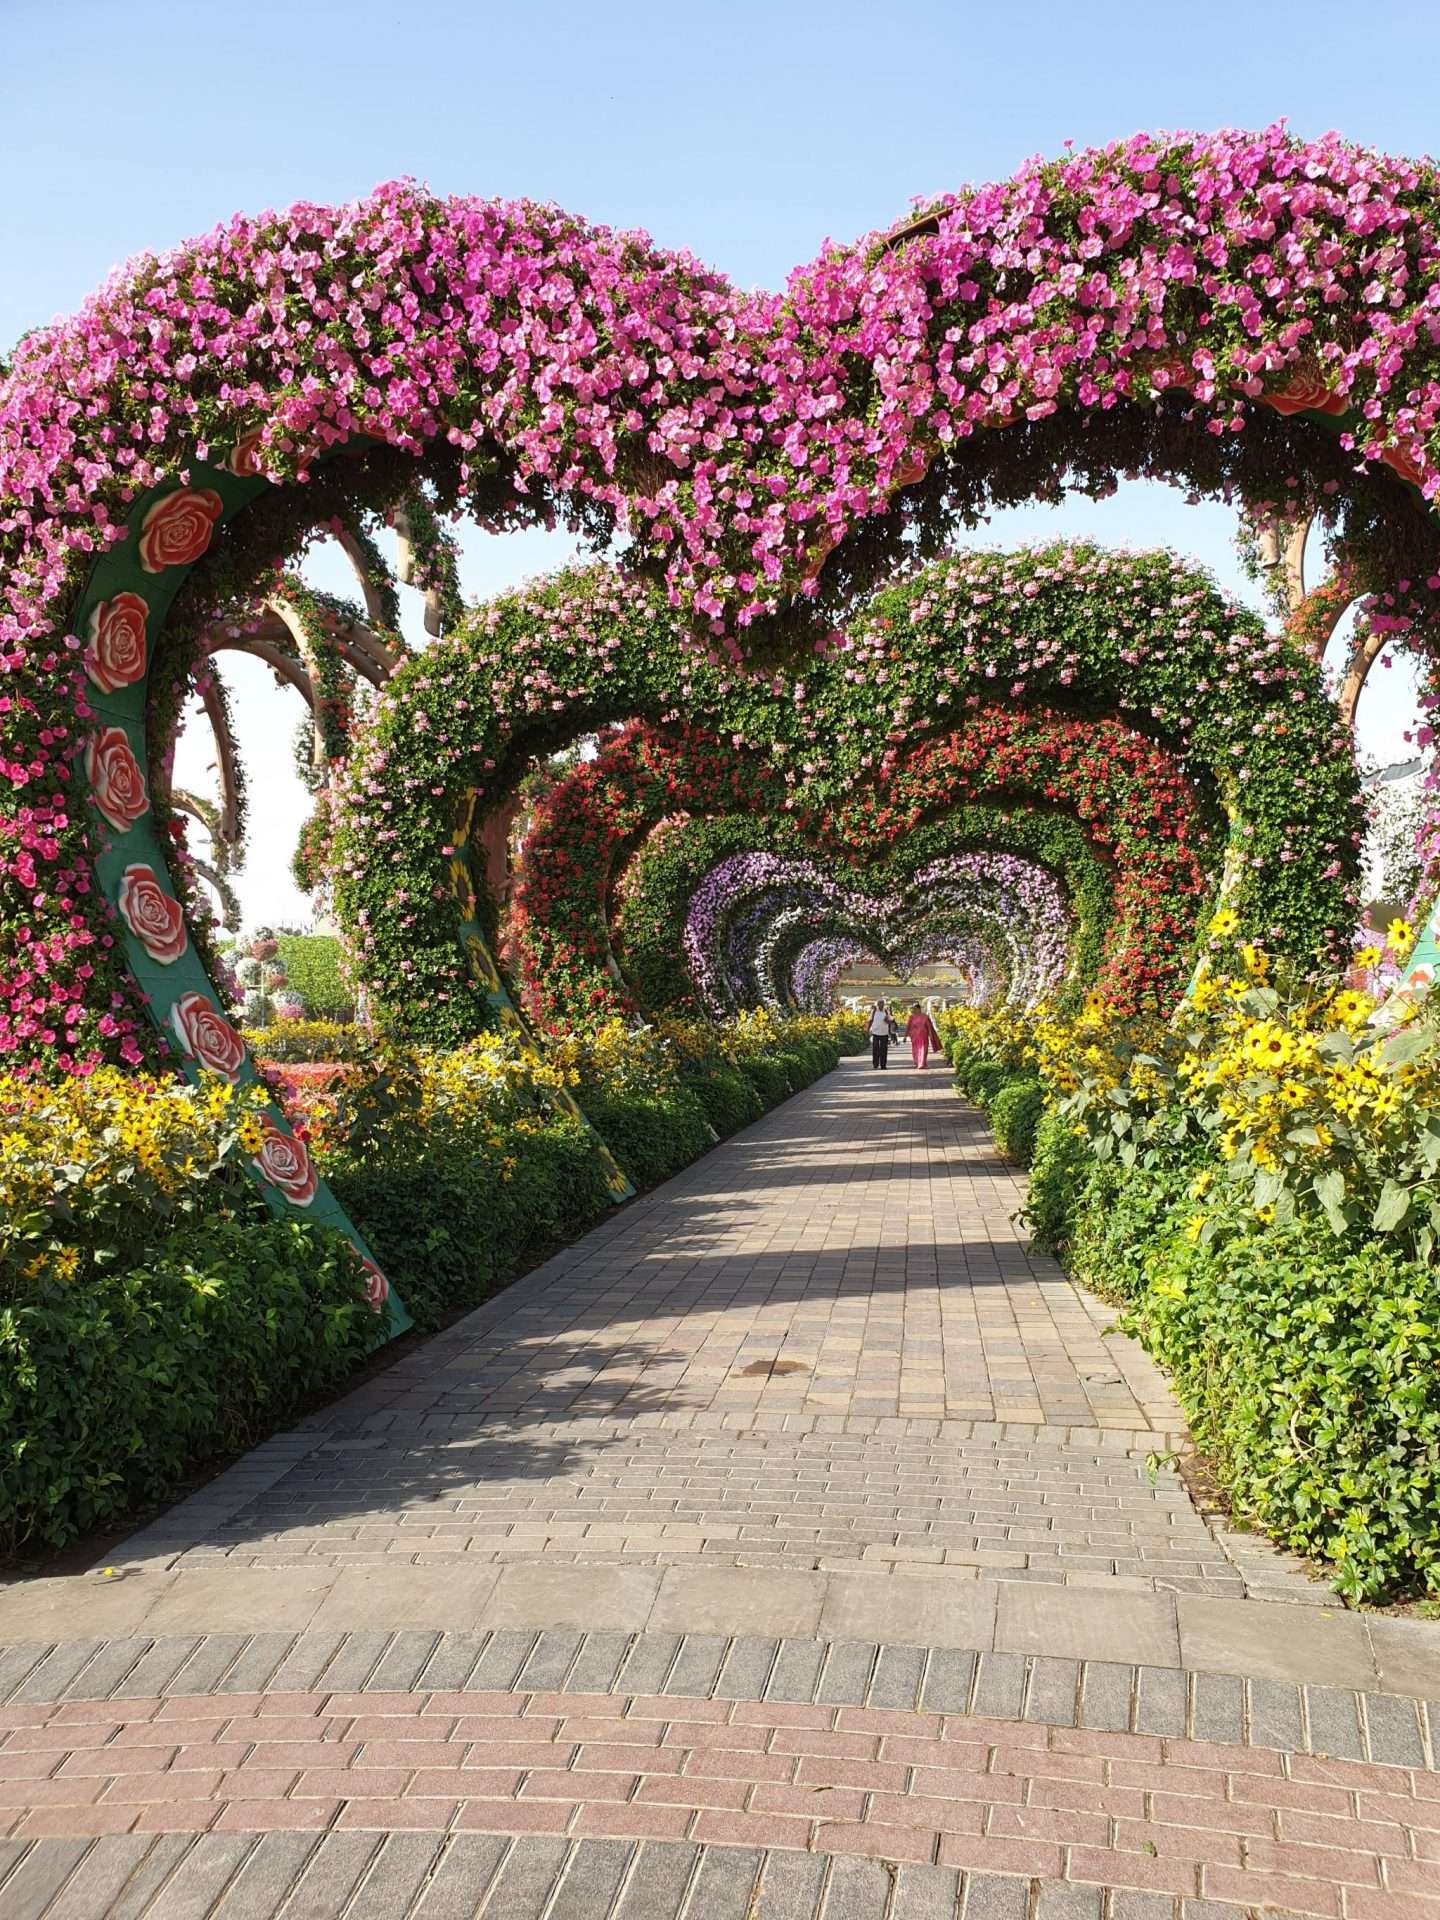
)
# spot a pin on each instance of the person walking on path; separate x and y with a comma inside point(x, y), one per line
point(880, 1028)
point(921, 1029)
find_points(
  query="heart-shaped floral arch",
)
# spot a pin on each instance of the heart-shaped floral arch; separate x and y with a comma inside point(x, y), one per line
point(1137, 882)
point(1244, 313)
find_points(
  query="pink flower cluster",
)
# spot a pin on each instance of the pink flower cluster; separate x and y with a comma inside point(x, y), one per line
point(738, 438)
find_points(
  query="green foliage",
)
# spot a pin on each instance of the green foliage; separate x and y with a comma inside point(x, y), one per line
point(652, 1136)
point(1310, 1372)
point(312, 968)
point(1015, 1112)
point(451, 1227)
point(1061, 1168)
point(111, 1391)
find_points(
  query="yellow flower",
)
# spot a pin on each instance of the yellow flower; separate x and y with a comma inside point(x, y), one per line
point(1224, 922)
point(1194, 1227)
point(1256, 961)
point(1400, 937)
point(1368, 957)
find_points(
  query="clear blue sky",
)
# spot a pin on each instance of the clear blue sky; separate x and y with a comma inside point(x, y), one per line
point(748, 133)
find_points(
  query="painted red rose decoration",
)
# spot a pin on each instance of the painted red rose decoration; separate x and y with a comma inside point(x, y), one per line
point(206, 1036)
point(117, 655)
point(154, 916)
point(283, 1161)
point(241, 458)
point(115, 778)
point(377, 1287)
point(178, 527)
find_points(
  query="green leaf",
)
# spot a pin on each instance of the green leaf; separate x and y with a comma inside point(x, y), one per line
point(1392, 1207)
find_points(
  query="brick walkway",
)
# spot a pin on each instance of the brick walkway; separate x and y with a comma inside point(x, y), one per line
point(798, 1544)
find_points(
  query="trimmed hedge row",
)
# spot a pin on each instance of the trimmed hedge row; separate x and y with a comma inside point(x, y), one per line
point(1012, 1099)
point(1308, 1367)
point(111, 1391)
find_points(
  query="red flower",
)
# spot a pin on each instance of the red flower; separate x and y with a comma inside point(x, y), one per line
point(117, 653)
point(284, 1163)
point(154, 916)
point(115, 778)
point(177, 529)
point(206, 1036)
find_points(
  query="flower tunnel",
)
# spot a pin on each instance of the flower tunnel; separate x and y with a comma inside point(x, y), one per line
point(1247, 316)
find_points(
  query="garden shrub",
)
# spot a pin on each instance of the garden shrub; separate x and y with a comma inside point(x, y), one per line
point(1061, 1169)
point(1015, 1111)
point(651, 1136)
point(312, 969)
point(451, 1226)
point(728, 1099)
point(1309, 1371)
point(112, 1390)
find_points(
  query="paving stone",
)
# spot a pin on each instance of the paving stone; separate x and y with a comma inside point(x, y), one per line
point(40, 1874)
point(205, 1668)
point(659, 1881)
point(503, 1659)
point(1107, 1691)
point(1394, 1729)
point(1056, 1901)
point(15, 1664)
point(988, 1897)
point(845, 1680)
point(591, 1880)
point(724, 1881)
point(897, 1677)
point(746, 1669)
point(697, 1665)
point(394, 1876)
point(335, 1868)
point(256, 1665)
point(1335, 1724)
point(135, 1897)
point(790, 1886)
point(796, 1672)
point(453, 1660)
point(1276, 1718)
point(58, 1671)
point(648, 1662)
point(201, 1876)
point(1000, 1685)
point(949, 1681)
point(1161, 1702)
point(551, 1659)
point(856, 1890)
point(267, 1876)
point(1217, 1708)
point(404, 1660)
point(463, 1874)
point(925, 1893)
point(598, 1664)
point(94, 1888)
point(1050, 1691)
point(1129, 1904)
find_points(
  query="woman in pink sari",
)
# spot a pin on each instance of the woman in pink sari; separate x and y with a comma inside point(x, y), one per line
point(921, 1030)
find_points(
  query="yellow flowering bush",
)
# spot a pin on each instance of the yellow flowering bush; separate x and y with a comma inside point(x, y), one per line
point(94, 1169)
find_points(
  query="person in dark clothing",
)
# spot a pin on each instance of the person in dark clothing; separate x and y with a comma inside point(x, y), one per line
point(880, 1027)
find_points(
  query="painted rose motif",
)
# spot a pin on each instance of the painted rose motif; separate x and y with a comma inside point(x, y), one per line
point(177, 528)
point(154, 916)
point(115, 778)
point(1305, 392)
point(377, 1287)
point(1402, 464)
point(206, 1036)
point(283, 1161)
point(242, 457)
point(117, 654)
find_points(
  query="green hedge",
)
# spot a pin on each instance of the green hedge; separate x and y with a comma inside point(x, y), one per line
point(312, 967)
point(1309, 1370)
point(111, 1392)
